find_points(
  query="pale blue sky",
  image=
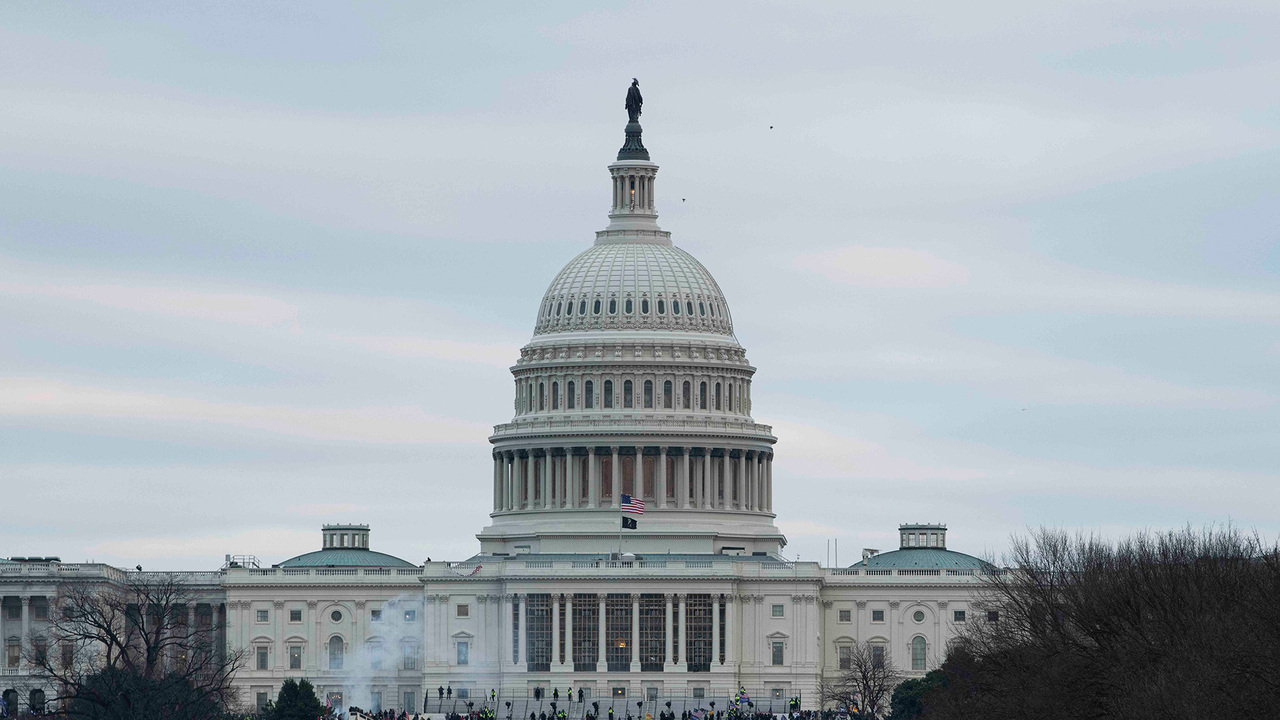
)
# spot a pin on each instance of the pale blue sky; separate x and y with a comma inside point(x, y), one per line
point(999, 265)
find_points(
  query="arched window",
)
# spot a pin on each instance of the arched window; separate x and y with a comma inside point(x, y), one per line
point(648, 393)
point(918, 647)
point(570, 400)
point(666, 394)
point(613, 306)
point(568, 309)
point(555, 396)
point(717, 396)
point(582, 307)
point(729, 399)
point(558, 306)
point(626, 393)
point(596, 307)
point(529, 396)
point(608, 393)
point(687, 403)
point(335, 653)
point(702, 309)
point(662, 307)
point(542, 396)
point(675, 308)
point(588, 395)
point(702, 395)
point(644, 306)
point(628, 307)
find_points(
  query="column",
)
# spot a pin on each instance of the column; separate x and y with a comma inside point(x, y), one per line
point(635, 632)
point(768, 483)
point(600, 661)
point(593, 478)
point(545, 480)
point(666, 632)
point(682, 658)
point(497, 483)
point(504, 631)
point(715, 630)
point(572, 492)
point(637, 475)
point(740, 482)
point(26, 631)
point(529, 460)
point(661, 481)
point(522, 653)
point(278, 650)
point(682, 485)
point(731, 631)
point(615, 473)
point(508, 480)
point(568, 630)
point(706, 489)
point(555, 632)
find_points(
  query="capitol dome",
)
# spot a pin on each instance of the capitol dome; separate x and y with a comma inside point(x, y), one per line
point(633, 389)
point(634, 286)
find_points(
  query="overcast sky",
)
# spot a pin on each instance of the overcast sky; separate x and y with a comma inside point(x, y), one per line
point(265, 266)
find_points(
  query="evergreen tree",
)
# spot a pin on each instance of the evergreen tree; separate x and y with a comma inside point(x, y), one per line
point(297, 701)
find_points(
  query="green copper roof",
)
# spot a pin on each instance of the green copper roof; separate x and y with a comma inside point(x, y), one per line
point(346, 557)
point(923, 559)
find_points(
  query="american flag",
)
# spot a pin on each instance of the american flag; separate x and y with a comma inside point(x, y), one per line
point(632, 505)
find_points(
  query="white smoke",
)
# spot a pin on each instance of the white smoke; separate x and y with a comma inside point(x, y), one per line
point(390, 634)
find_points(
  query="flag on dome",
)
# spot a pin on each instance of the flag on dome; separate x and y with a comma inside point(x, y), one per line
point(632, 505)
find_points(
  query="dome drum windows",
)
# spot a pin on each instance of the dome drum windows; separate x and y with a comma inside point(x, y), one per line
point(626, 394)
point(666, 394)
point(717, 396)
point(542, 396)
point(702, 395)
point(648, 394)
point(608, 393)
point(555, 396)
point(570, 400)
point(589, 395)
point(686, 397)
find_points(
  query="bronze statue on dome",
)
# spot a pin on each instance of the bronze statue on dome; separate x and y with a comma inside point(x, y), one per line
point(634, 101)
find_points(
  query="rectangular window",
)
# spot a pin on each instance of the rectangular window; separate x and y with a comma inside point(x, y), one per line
point(39, 611)
point(653, 632)
point(262, 699)
point(410, 702)
point(515, 632)
point(648, 393)
point(14, 612)
point(626, 394)
point(375, 616)
point(295, 616)
point(698, 632)
point(699, 692)
point(262, 658)
point(846, 616)
point(778, 611)
point(570, 397)
point(957, 616)
point(877, 616)
point(845, 653)
point(464, 653)
point(588, 395)
point(777, 652)
point(464, 693)
point(537, 634)
point(410, 615)
point(375, 656)
point(617, 613)
point(666, 394)
point(375, 701)
point(619, 692)
point(877, 655)
point(409, 656)
point(651, 694)
point(586, 632)
point(12, 653)
point(464, 611)
point(295, 657)
point(993, 616)
point(608, 393)
point(262, 616)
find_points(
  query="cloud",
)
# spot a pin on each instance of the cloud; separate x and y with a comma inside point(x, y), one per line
point(39, 398)
point(502, 356)
point(236, 308)
point(884, 267)
point(326, 510)
point(282, 541)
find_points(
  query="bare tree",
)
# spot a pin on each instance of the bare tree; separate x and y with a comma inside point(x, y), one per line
point(862, 689)
point(129, 650)
point(1179, 624)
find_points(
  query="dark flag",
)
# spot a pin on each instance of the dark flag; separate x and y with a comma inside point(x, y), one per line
point(628, 523)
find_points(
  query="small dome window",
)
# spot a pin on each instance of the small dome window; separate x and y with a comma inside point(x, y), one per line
point(596, 308)
point(558, 306)
point(548, 309)
point(675, 307)
point(713, 309)
point(568, 309)
point(628, 306)
point(688, 305)
point(582, 307)
point(918, 616)
point(702, 309)
point(336, 615)
point(662, 307)
point(613, 306)
point(644, 306)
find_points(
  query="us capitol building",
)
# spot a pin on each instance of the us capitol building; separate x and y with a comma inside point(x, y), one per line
point(632, 384)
